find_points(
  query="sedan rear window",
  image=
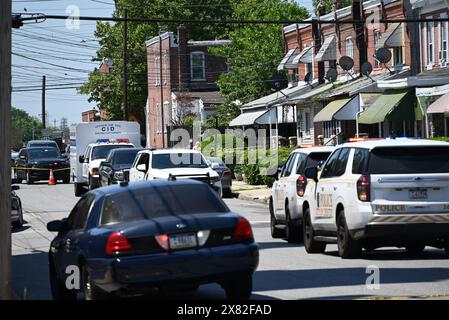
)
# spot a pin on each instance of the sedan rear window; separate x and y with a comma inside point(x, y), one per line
point(160, 201)
point(409, 160)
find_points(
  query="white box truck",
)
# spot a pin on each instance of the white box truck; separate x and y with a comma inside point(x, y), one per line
point(86, 135)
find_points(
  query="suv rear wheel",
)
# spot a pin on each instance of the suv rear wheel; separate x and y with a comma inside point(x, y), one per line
point(91, 292)
point(292, 233)
point(348, 248)
point(310, 244)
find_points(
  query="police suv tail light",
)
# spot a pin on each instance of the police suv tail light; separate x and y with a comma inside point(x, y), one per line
point(301, 184)
point(364, 188)
point(117, 243)
point(243, 230)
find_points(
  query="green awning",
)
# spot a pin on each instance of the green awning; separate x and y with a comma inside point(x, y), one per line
point(392, 106)
point(327, 113)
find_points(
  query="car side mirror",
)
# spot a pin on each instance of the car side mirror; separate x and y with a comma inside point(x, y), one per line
point(215, 165)
point(105, 164)
point(56, 225)
point(81, 159)
point(15, 188)
point(126, 175)
point(312, 173)
point(142, 168)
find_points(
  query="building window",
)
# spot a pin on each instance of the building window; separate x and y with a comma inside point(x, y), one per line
point(166, 115)
point(197, 66)
point(157, 70)
point(430, 43)
point(397, 56)
point(349, 47)
point(309, 71)
point(444, 32)
point(293, 76)
point(377, 36)
point(307, 123)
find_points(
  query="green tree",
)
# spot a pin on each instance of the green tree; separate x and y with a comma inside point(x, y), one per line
point(23, 126)
point(256, 50)
point(329, 4)
point(107, 89)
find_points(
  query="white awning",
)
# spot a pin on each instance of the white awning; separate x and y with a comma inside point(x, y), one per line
point(287, 61)
point(247, 118)
point(305, 56)
point(432, 91)
point(392, 37)
point(328, 50)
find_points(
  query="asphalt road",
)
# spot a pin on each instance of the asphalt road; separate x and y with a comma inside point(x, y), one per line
point(285, 271)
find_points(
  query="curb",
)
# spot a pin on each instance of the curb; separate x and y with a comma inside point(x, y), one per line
point(263, 200)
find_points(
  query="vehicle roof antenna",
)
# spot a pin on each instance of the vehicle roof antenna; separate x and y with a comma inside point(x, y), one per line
point(171, 177)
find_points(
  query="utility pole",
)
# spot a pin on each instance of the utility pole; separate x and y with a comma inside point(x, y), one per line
point(125, 66)
point(5, 147)
point(162, 89)
point(43, 103)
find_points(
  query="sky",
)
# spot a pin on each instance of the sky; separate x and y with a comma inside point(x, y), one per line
point(61, 53)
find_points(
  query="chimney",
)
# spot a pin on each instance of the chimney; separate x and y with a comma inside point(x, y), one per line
point(183, 59)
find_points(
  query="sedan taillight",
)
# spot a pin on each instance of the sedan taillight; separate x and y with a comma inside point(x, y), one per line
point(243, 230)
point(364, 188)
point(227, 173)
point(301, 184)
point(117, 243)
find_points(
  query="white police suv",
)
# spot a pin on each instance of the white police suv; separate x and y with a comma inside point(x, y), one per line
point(287, 193)
point(379, 193)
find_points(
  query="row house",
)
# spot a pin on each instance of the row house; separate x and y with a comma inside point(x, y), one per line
point(330, 98)
point(182, 77)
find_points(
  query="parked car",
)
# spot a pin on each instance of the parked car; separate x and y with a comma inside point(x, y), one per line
point(95, 154)
point(128, 239)
point(34, 164)
point(16, 208)
point(14, 156)
point(379, 193)
point(42, 143)
point(153, 164)
point(287, 193)
point(117, 163)
point(225, 174)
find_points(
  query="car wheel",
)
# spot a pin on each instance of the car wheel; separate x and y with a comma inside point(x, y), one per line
point(292, 233)
point(348, 248)
point(239, 288)
point(91, 292)
point(276, 233)
point(310, 244)
point(79, 189)
point(29, 180)
point(446, 250)
point(58, 288)
point(19, 223)
point(415, 249)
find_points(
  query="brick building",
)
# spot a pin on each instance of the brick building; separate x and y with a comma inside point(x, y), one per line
point(182, 77)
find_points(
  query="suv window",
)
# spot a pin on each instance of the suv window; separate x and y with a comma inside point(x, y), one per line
point(78, 217)
point(360, 161)
point(330, 164)
point(144, 159)
point(342, 161)
point(409, 160)
point(287, 170)
point(313, 159)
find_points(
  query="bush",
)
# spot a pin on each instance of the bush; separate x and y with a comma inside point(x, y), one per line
point(445, 139)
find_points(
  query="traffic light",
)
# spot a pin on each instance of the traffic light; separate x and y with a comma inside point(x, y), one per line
point(16, 21)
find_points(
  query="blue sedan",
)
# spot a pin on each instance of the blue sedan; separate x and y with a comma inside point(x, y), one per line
point(131, 239)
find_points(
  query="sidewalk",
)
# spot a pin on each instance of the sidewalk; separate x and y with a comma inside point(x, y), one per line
point(251, 193)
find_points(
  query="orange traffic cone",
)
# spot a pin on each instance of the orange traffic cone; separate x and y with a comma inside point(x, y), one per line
point(51, 180)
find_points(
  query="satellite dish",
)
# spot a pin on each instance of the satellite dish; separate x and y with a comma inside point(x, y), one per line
point(278, 82)
point(332, 75)
point(346, 63)
point(109, 62)
point(383, 55)
point(367, 68)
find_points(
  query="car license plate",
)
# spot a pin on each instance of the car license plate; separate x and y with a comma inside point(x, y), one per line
point(420, 194)
point(182, 241)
